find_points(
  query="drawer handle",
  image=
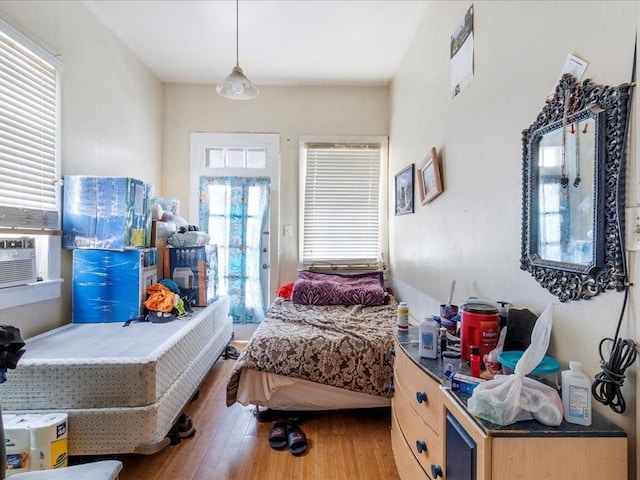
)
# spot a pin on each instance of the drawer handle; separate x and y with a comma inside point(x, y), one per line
point(421, 397)
point(436, 470)
point(421, 446)
point(391, 389)
point(392, 352)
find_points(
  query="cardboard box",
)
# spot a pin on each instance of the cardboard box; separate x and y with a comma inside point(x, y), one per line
point(110, 285)
point(160, 232)
point(195, 270)
point(464, 383)
point(106, 212)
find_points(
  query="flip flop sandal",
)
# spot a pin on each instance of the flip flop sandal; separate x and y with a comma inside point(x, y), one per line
point(278, 436)
point(296, 440)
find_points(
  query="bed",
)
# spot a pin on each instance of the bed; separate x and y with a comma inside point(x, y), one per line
point(326, 348)
point(122, 387)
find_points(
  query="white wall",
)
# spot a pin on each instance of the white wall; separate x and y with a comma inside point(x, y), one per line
point(111, 117)
point(288, 111)
point(471, 233)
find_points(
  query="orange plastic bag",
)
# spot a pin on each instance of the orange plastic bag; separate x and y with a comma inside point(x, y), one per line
point(160, 299)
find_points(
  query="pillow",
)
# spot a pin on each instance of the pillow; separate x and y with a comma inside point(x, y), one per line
point(285, 291)
point(313, 288)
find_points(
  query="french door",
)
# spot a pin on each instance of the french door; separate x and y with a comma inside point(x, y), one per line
point(234, 191)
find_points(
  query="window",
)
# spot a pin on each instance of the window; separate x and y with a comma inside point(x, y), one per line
point(553, 206)
point(342, 190)
point(29, 153)
point(235, 157)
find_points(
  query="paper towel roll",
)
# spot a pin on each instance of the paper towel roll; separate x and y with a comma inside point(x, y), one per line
point(49, 441)
point(17, 440)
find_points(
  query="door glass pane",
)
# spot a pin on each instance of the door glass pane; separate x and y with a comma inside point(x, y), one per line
point(256, 158)
point(235, 157)
point(214, 158)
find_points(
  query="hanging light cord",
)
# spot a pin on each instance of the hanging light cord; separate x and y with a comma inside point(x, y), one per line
point(607, 386)
point(237, 34)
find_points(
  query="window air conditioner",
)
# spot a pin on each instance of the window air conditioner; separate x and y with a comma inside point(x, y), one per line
point(17, 261)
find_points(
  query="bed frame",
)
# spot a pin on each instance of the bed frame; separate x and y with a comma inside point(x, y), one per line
point(123, 388)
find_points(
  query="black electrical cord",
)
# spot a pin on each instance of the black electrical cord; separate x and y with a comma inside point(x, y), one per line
point(607, 386)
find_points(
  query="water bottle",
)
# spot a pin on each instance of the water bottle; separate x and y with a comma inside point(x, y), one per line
point(576, 395)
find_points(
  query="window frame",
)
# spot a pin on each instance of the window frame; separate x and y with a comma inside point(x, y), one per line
point(345, 264)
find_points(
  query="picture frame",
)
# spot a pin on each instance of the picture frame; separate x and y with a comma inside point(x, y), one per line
point(404, 190)
point(429, 177)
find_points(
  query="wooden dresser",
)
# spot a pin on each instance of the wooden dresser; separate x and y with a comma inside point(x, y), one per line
point(433, 436)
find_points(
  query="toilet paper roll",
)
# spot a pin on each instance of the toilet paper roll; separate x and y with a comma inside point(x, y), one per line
point(17, 442)
point(49, 441)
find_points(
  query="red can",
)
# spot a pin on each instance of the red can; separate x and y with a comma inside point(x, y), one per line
point(479, 325)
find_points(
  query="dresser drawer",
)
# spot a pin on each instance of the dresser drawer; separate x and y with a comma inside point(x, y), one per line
point(407, 465)
point(422, 439)
point(422, 392)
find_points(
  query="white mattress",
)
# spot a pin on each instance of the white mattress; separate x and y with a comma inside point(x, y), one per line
point(122, 387)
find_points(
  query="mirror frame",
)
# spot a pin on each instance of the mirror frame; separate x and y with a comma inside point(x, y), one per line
point(606, 271)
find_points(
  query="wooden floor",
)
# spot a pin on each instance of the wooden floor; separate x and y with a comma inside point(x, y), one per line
point(230, 444)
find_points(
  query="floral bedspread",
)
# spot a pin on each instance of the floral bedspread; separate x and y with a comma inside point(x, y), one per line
point(343, 346)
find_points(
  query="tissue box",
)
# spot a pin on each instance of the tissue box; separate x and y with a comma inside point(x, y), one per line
point(106, 212)
point(464, 383)
point(110, 285)
point(195, 270)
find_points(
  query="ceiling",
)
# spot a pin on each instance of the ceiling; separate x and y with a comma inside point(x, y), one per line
point(281, 42)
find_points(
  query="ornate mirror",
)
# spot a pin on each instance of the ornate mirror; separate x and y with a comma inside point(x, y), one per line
point(573, 190)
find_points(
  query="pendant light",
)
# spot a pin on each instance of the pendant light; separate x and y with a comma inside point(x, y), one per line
point(236, 86)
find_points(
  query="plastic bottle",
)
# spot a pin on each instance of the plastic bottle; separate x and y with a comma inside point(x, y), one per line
point(428, 338)
point(403, 316)
point(503, 312)
point(442, 333)
point(576, 395)
point(474, 359)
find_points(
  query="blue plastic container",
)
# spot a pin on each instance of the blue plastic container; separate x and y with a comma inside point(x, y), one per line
point(546, 371)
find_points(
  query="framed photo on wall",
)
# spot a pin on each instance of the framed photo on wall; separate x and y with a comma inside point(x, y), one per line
point(429, 178)
point(404, 190)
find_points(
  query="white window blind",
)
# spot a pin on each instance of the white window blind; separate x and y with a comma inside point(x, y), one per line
point(28, 135)
point(341, 203)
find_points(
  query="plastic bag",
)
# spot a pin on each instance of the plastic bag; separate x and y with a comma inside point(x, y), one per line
point(490, 360)
point(511, 398)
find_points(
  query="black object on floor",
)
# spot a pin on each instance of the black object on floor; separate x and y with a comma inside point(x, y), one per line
point(269, 415)
point(232, 352)
point(296, 440)
point(185, 427)
point(278, 436)
point(174, 438)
